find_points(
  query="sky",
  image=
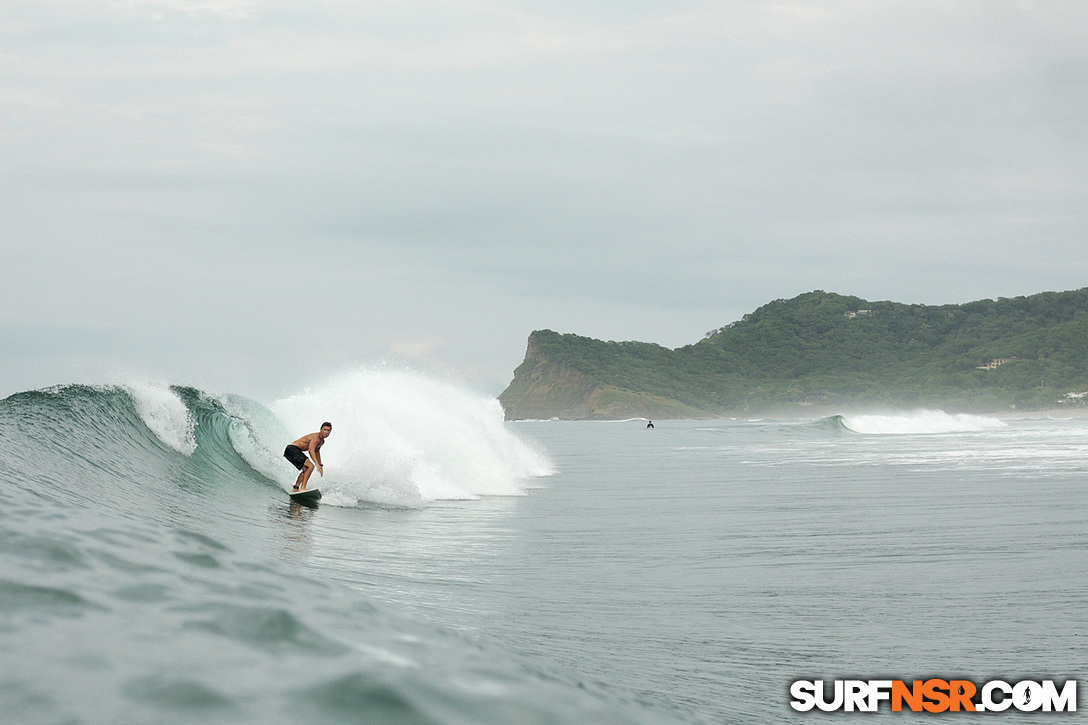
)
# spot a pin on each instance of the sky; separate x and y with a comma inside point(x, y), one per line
point(248, 196)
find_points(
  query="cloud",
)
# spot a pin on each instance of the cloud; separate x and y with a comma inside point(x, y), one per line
point(467, 172)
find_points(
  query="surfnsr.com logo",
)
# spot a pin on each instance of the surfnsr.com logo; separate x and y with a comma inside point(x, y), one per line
point(935, 695)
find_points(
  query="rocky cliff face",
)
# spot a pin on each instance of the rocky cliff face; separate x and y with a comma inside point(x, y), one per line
point(544, 388)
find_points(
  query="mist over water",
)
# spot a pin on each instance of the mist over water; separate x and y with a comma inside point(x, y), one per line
point(403, 438)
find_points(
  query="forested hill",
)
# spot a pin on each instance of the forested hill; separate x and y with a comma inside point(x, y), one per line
point(822, 349)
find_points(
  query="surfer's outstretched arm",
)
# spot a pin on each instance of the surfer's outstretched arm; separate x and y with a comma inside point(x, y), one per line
point(316, 441)
point(315, 453)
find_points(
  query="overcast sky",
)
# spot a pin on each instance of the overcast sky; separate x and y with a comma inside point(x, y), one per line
point(248, 196)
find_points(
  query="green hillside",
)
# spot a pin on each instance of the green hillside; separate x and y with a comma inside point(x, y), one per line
point(819, 349)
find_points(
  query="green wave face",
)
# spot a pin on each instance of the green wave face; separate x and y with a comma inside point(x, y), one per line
point(132, 451)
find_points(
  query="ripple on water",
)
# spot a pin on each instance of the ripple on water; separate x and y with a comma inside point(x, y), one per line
point(46, 553)
point(42, 600)
point(264, 627)
point(174, 693)
point(360, 692)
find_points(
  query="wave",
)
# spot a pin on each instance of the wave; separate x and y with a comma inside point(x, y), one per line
point(400, 438)
point(914, 422)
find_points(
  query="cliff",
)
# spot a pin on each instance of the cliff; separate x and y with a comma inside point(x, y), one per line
point(548, 385)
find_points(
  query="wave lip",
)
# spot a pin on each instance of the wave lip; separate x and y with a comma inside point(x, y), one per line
point(165, 414)
point(919, 422)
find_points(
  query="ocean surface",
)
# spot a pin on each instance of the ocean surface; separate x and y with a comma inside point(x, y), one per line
point(460, 569)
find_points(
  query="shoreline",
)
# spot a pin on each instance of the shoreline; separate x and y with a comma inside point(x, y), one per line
point(1043, 413)
point(813, 414)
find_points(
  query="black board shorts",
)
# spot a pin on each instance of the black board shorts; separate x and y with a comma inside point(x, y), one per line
point(295, 455)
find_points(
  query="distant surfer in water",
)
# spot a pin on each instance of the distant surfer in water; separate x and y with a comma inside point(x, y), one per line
point(650, 424)
point(311, 443)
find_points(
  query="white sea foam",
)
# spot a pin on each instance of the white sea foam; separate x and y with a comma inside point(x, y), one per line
point(920, 421)
point(165, 414)
point(403, 438)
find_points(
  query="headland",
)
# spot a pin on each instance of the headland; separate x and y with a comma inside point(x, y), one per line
point(821, 352)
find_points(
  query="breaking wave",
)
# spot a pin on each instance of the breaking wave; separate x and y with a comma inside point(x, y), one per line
point(400, 438)
point(403, 438)
point(915, 423)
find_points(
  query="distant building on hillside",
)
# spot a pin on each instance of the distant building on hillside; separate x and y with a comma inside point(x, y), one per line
point(996, 363)
point(859, 313)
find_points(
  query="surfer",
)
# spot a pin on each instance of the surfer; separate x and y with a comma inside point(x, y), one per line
point(650, 424)
point(312, 444)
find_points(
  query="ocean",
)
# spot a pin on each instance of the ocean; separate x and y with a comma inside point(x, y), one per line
point(463, 569)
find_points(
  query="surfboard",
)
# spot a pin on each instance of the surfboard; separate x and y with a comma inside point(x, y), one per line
point(307, 496)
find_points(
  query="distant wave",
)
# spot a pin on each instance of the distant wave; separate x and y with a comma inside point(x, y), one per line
point(914, 422)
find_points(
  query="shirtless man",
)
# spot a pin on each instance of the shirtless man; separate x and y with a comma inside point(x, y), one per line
point(311, 443)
